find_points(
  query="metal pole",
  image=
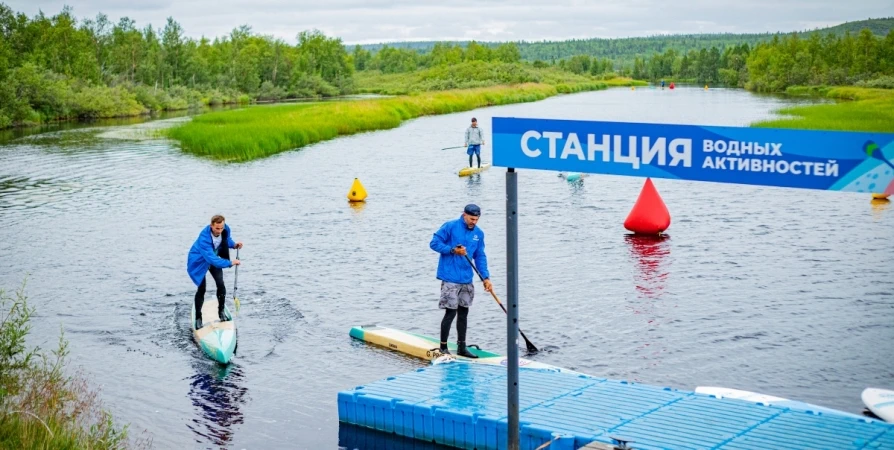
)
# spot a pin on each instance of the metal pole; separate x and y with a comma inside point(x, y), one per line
point(512, 316)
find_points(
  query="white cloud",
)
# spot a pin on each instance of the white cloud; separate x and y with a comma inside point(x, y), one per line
point(367, 21)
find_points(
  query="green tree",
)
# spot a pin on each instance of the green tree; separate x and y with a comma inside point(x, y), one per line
point(507, 53)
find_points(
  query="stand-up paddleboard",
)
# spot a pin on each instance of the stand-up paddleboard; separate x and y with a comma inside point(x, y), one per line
point(217, 339)
point(473, 170)
point(880, 402)
point(427, 348)
point(754, 397)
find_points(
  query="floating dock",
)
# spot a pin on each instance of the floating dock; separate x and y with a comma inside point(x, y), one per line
point(461, 404)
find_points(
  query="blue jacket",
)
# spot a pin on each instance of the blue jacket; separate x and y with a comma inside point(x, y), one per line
point(202, 255)
point(454, 268)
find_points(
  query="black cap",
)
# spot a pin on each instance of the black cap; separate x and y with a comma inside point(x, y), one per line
point(474, 119)
point(472, 210)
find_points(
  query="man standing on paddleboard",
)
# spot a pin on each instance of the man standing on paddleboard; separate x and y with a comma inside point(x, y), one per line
point(474, 141)
point(211, 253)
point(454, 240)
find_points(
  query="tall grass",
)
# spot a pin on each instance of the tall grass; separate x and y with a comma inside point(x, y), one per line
point(865, 109)
point(42, 407)
point(257, 132)
point(473, 74)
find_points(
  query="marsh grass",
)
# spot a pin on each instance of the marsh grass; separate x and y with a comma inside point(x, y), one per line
point(257, 132)
point(862, 109)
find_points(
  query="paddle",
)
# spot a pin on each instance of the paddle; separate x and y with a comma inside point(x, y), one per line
point(873, 151)
point(236, 284)
point(528, 344)
point(450, 148)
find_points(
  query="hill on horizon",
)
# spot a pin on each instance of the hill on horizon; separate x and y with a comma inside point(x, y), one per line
point(623, 50)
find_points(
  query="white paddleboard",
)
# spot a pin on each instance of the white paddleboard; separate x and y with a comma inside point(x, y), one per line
point(880, 402)
point(754, 397)
point(216, 339)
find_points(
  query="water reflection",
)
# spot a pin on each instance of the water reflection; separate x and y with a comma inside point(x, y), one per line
point(879, 205)
point(357, 207)
point(217, 393)
point(650, 253)
point(353, 437)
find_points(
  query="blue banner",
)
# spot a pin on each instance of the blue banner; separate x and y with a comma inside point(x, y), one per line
point(829, 160)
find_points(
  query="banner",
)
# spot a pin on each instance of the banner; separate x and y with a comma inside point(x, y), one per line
point(828, 160)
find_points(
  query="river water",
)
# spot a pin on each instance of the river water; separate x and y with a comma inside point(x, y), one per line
point(785, 292)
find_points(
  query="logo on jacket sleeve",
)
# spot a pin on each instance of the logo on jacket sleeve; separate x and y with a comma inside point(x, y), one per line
point(475, 237)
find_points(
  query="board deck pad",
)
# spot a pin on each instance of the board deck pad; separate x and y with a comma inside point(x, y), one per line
point(427, 348)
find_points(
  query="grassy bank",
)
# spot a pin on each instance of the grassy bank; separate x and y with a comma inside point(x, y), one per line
point(856, 109)
point(477, 74)
point(257, 132)
point(42, 407)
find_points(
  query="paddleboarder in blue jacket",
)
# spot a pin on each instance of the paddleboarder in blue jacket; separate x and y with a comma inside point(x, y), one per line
point(454, 240)
point(211, 253)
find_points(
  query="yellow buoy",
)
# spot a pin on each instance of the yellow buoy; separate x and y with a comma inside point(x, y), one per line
point(706, 87)
point(632, 88)
point(880, 196)
point(357, 192)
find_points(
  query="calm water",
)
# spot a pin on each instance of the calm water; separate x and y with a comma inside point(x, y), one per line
point(785, 292)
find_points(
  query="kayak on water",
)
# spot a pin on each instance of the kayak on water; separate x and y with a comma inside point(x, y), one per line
point(473, 170)
point(216, 339)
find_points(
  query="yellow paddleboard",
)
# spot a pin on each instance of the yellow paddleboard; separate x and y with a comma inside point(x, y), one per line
point(427, 348)
point(473, 170)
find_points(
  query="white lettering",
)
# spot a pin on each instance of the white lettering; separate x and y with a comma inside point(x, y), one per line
point(775, 151)
point(720, 146)
point(681, 150)
point(631, 158)
point(593, 147)
point(572, 147)
point(552, 136)
point(832, 168)
point(733, 148)
point(659, 148)
point(524, 144)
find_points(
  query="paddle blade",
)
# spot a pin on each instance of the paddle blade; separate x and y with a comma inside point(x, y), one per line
point(236, 301)
point(530, 346)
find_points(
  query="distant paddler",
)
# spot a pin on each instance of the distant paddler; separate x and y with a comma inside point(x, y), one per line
point(454, 240)
point(211, 253)
point(474, 141)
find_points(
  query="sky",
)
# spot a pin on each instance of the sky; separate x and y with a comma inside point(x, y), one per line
point(373, 21)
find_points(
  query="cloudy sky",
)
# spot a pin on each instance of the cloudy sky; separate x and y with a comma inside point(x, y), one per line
point(371, 21)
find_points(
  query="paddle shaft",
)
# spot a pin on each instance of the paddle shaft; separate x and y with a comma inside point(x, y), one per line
point(528, 344)
point(236, 281)
point(451, 148)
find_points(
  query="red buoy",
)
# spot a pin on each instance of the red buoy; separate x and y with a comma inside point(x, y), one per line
point(649, 215)
point(672, 85)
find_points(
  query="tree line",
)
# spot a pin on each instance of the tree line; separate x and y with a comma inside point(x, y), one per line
point(55, 67)
point(784, 61)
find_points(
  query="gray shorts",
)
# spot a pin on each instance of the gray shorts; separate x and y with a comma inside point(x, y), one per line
point(453, 295)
